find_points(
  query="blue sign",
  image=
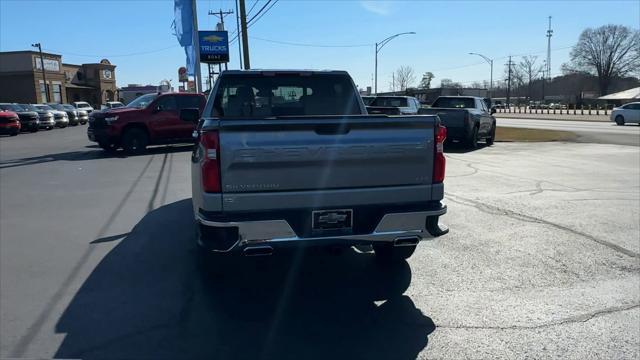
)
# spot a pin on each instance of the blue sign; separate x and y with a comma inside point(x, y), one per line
point(214, 46)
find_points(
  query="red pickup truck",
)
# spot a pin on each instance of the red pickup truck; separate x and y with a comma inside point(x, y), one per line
point(151, 119)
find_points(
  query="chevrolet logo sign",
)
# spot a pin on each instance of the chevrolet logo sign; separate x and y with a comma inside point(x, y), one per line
point(212, 38)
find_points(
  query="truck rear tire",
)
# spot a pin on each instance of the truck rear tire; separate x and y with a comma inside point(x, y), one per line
point(472, 141)
point(135, 141)
point(492, 136)
point(387, 253)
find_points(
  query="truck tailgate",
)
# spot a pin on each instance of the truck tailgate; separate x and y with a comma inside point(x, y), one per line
point(450, 118)
point(315, 153)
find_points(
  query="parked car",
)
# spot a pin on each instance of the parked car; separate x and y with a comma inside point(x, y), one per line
point(112, 105)
point(28, 119)
point(151, 119)
point(45, 117)
point(313, 170)
point(72, 112)
point(60, 117)
point(406, 104)
point(627, 113)
point(9, 123)
point(83, 116)
point(82, 105)
point(467, 119)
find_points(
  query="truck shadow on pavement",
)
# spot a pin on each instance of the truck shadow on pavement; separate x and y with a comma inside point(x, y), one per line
point(148, 298)
point(89, 155)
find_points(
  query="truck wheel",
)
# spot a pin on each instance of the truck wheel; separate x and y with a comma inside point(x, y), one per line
point(135, 141)
point(389, 254)
point(619, 120)
point(34, 130)
point(492, 136)
point(472, 141)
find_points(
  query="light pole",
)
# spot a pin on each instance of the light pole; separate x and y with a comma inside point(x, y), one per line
point(490, 61)
point(44, 77)
point(379, 46)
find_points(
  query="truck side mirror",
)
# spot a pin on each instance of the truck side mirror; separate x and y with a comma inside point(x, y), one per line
point(190, 115)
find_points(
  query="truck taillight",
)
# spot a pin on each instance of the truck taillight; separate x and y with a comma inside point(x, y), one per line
point(210, 143)
point(439, 160)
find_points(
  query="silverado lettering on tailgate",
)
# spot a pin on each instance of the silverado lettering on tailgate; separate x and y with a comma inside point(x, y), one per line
point(329, 152)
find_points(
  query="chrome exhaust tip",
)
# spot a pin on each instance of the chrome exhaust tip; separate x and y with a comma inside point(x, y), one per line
point(407, 241)
point(257, 251)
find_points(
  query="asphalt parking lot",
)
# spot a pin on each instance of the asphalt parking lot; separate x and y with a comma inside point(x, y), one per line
point(97, 260)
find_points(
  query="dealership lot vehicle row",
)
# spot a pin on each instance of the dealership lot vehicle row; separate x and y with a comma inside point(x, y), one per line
point(536, 279)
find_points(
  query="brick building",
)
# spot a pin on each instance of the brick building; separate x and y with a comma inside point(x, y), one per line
point(21, 79)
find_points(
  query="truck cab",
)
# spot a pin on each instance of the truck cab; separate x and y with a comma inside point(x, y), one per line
point(151, 119)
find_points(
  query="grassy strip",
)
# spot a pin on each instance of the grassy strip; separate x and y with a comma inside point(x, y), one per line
point(533, 135)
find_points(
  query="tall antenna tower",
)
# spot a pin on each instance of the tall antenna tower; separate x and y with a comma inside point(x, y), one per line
point(549, 34)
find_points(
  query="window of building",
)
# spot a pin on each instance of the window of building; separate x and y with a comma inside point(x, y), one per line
point(43, 92)
point(57, 93)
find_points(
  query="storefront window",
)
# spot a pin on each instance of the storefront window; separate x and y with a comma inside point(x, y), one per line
point(43, 92)
point(57, 93)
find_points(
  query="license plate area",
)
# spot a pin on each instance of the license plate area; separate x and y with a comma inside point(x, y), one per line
point(339, 219)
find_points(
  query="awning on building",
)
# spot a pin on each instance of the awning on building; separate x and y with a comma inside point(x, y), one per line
point(74, 86)
point(629, 94)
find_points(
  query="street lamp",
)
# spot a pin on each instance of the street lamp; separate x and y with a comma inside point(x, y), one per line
point(490, 61)
point(44, 77)
point(379, 46)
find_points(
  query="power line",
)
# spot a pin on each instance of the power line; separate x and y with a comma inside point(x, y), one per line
point(259, 11)
point(256, 20)
point(252, 6)
point(112, 56)
point(310, 45)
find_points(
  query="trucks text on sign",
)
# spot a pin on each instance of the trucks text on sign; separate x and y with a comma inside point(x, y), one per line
point(214, 46)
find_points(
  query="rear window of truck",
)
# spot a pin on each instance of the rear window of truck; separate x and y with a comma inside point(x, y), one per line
point(451, 102)
point(262, 96)
point(390, 102)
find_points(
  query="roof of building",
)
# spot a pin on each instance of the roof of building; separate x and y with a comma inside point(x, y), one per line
point(628, 94)
point(29, 52)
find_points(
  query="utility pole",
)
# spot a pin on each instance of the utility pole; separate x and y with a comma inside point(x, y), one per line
point(549, 34)
point(510, 63)
point(239, 34)
point(196, 44)
point(221, 14)
point(245, 35)
point(544, 79)
point(393, 81)
point(44, 76)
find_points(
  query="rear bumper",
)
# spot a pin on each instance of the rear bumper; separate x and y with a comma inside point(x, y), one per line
point(279, 233)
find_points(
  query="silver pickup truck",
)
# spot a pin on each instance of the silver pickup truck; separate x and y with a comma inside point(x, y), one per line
point(291, 158)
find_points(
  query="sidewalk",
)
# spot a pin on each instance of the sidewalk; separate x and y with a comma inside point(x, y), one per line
point(556, 116)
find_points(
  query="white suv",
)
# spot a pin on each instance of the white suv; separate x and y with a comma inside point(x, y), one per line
point(81, 105)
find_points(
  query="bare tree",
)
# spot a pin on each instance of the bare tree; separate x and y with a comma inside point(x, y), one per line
point(425, 83)
point(403, 78)
point(477, 85)
point(608, 51)
point(530, 70)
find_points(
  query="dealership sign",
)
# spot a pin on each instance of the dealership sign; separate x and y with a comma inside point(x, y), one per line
point(214, 46)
